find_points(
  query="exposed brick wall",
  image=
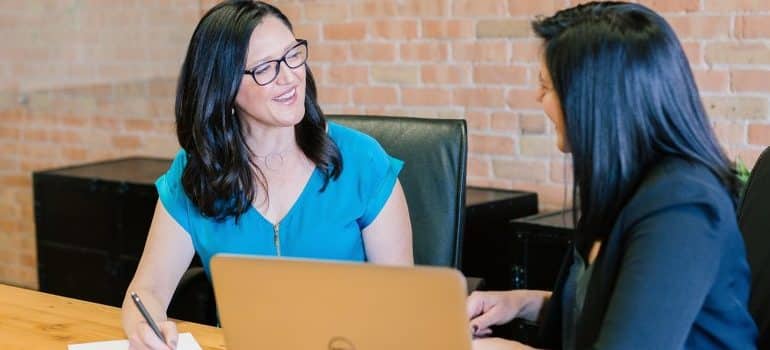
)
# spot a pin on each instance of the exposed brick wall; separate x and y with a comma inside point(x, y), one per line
point(89, 80)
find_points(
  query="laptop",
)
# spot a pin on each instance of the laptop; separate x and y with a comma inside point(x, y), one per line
point(270, 303)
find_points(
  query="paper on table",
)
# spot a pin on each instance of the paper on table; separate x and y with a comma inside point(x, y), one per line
point(186, 342)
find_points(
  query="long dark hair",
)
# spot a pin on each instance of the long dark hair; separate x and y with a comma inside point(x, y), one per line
point(220, 176)
point(629, 100)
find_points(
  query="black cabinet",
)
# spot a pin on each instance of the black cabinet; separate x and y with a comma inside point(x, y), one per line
point(537, 250)
point(92, 221)
point(487, 243)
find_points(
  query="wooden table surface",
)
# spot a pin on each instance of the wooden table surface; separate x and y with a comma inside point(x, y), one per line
point(33, 320)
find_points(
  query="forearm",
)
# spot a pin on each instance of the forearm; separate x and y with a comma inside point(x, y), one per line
point(533, 305)
point(130, 314)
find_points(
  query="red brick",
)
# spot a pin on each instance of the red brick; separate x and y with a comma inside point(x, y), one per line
point(480, 97)
point(752, 27)
point(522, 170)
point(394, 29)
point(344, 31)
point(700, 26)
point(541, 146)
point(712, 80)
point(9, 133)
point(107, 123)
point(309, 31)
point(447, 29)
point(490, 144)
point(446, 74)
point(736, 5)
point(474, 8)
point(499, 74)
point(39, 151)
point(529, 8)
point(478, 119)
point(478, 166)
point(497, 51)
point(62, 137)
point(424, 51)
point(693, 51)
point(532, 123)
point(126, 141)
point(12, 116)
point(426, 97)
point(737, 107)
point(749, 81)
point(559, 171)
point(748, 155)
point(329, 52)
point(326, 11)
point(400, 74)
point(374, 8)
point(424, 8)
point(738, 53)
point(673, 5)
point(336, 95)
point(74, 154)
point(759, 134)
point(374, 52)
point(505, 28)
point(522, 98)
point(730, 131)
point(347, 74)
point(138, 125)
point(375, 95)
point(526, 51)
point(505, 121)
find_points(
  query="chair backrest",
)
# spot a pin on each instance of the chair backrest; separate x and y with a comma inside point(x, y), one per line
point(754, 221)
point(434, 152)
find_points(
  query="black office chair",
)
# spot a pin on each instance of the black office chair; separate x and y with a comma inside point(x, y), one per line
point(754, 221)
point(193, 299)
point(434, 152)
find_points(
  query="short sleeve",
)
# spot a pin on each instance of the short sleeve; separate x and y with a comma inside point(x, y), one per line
point(171, 193)
point(378, 182)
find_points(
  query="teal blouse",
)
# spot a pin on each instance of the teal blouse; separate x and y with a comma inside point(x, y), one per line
point(321, 224)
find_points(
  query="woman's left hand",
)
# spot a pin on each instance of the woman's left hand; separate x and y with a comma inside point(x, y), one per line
point(498, 344)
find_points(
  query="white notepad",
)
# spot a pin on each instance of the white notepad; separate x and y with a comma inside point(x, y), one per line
point(186, 342)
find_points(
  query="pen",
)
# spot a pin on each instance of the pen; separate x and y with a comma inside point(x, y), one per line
point(147, 316)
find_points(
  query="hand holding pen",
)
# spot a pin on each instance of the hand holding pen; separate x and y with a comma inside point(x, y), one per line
point(149, 334)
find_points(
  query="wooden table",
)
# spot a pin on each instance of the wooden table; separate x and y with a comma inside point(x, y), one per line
point(34, 320)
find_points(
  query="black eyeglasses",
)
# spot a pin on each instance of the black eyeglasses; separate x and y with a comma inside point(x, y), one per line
point(266, 72)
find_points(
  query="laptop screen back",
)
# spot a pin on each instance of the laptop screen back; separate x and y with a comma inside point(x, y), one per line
point(268, 303)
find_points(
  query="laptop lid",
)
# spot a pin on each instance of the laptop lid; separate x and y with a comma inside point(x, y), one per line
point(269, 303)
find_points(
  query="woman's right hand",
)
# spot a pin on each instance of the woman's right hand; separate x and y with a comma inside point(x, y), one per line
point(492, 308)
point(486, 309)
point(143, 338)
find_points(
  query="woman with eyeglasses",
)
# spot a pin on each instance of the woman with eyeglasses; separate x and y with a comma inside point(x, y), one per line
point(658, 261)
point(260, 171)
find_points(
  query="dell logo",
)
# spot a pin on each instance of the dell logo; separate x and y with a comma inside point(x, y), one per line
point(340, 343)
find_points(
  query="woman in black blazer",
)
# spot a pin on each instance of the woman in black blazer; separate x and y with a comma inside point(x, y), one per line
point(658, 260)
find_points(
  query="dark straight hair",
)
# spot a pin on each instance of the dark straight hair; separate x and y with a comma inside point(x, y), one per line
point(221, 177)
point(629, 99)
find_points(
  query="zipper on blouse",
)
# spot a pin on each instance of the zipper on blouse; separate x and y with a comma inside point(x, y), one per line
point(277, 239)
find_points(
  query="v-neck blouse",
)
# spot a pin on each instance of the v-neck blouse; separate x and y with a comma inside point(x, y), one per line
point(321, 225)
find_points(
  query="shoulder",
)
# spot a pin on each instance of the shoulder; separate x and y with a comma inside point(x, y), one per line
point(173, 175)
point(675, 182)
point(175, 169)
point(180, 159)
point(354, 143)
